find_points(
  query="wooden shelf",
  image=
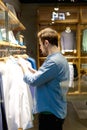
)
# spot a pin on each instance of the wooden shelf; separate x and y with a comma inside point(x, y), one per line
point(3, 43)
point(13, 20)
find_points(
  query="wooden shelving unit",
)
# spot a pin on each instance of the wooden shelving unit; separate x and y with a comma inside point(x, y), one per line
point(77, 21)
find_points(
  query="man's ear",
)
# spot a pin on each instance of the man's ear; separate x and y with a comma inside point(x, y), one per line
point(46, 42)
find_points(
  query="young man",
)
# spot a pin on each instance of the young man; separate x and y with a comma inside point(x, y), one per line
point(50, 81)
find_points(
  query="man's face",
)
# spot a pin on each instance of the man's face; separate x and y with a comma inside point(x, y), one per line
point(43, 48)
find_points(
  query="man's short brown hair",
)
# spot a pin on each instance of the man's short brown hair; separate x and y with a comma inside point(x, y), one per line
point(49, 34)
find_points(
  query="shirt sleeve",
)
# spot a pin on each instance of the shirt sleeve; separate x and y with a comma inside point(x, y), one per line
point(46, 73)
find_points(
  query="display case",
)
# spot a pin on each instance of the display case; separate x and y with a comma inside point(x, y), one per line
point(8, 24)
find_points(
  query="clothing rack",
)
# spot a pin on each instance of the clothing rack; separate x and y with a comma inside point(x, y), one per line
point(7, 49)
point(4, 59)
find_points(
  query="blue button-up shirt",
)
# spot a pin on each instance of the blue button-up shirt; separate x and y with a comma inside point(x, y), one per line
point(51, 87)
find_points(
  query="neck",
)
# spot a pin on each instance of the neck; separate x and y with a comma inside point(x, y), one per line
point(53, 49)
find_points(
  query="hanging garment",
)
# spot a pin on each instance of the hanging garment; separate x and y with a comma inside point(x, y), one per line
point(71, 81)
point(68, 41)
point(32, 61)
point(3, 121)
point(33, 64)
point(75, 71)
point(18, 99)
point(84, 41)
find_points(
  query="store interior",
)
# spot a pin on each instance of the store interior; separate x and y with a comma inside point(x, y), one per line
point(63, 16)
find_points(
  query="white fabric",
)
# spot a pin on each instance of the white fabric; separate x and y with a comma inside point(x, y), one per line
point(71, 69)
point(18, 99)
